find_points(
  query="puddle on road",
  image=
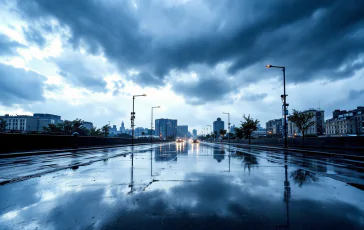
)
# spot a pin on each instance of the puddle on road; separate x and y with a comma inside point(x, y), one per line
point(179, 186)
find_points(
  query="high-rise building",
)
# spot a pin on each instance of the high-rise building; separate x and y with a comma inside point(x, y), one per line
point(275, 127)
point(317, 129)
point(166, 127)
point(182, 130)
point(194, 133)
point(122, 128)
point(44, 119)
point(217, 125)
point(346, 122)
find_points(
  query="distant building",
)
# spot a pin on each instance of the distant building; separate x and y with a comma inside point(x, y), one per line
point(128, 131)
point(317, 129)
point(232, 129)
point(217, 125)
point(44, 119)
point(182, 130)
point(260, 132)
point(166, 127)
point(21, 122)
point(122, 128)
point(194, 133)
point(274, 127)
point(138, 131)
point(346, 122)
point(88, 125)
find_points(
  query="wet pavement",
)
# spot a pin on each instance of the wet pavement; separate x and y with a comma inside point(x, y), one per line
point(181, 186)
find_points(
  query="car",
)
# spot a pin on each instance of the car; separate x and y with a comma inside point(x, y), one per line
point(195, 141)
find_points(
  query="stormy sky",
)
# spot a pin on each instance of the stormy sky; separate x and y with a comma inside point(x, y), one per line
point(196, 59)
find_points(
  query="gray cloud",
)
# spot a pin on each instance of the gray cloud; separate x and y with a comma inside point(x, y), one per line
point(355, 94)
point(313, 39)
point(204, 90)
point(254, 97)
point(146, 79)
point(7, 46)
point(78, 71)
point(35, 36)
point(19, 86)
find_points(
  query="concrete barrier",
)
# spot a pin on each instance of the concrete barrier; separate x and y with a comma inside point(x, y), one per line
point(353, 143)
point(14, 142)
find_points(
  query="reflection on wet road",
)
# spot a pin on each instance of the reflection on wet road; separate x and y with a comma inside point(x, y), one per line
point(180, 186)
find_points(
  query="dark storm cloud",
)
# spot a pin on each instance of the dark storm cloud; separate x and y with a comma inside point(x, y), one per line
point(203, 90)
point(19, 86)
point(146, 79)
point(313, 39)
point(7, 46)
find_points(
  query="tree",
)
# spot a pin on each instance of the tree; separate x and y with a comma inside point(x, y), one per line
point(208, 136)
point(77, 126)
point(301, 176)
point(249, 126)
point(222, 133)
point(67, 127)
point(52, 128)
point(302, 121)
point(239, 133)
point(3, 124)
point(105, 130)
point(96, 132)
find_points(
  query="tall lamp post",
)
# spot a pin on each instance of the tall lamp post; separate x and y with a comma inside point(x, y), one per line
point(151, 123)
point(133, 118)
point(228, 125)
point(283, 97)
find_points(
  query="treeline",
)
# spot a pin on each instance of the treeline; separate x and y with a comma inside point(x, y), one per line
point(76, 127)
point(247, 127)
point(303, 121)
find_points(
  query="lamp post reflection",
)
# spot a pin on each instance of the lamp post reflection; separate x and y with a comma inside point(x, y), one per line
point(287, 194)
point(151, 159)
point(131, 185)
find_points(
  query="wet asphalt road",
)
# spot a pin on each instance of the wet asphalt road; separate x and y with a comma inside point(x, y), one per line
point(181, 186)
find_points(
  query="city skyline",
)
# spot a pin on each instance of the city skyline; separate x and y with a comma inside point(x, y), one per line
point(51, 63)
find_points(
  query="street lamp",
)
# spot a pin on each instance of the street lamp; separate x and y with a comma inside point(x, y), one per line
point(283, 97)
point(133, 118)
point(151, 123)
point(228, 125)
